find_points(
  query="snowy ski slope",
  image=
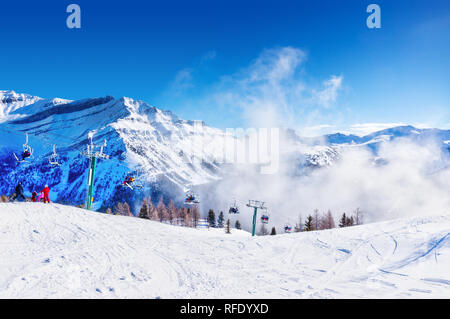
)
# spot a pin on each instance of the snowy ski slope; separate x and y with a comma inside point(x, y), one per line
point(55, 251)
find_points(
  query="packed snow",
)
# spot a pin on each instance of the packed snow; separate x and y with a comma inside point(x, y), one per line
point(55, 251)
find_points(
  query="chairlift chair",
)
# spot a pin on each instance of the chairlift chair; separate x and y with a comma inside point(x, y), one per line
point(27, 150)
point(264, 216)
point(54, 158)
point(287, 228)
point(191, 199)
point(234, 209)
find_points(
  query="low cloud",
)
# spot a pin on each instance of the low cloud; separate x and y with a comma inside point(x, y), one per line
point(404, 179)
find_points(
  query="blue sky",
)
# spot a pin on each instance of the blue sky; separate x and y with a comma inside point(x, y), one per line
point(187, 55)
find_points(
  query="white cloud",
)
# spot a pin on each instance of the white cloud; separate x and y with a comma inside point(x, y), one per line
point(329, 94)
point(183, 81)
point(413, 180)
point(273, 92)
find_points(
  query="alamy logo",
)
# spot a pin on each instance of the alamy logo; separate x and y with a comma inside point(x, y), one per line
point(74, 19)
point(252, 146)
point(374, 19)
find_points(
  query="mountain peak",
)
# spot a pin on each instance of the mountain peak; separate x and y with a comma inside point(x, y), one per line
point(10, 101)
point(10, 96)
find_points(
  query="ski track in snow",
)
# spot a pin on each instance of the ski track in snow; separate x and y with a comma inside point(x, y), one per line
point(55, 251)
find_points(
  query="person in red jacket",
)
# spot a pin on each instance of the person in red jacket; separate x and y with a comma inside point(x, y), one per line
point(46, 191)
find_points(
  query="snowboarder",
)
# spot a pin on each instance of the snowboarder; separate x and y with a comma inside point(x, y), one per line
point(18, 193)
point(46, 192)
point(34, 197)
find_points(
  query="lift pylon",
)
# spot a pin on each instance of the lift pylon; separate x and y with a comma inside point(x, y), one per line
point(255, 204)
point(93, 155)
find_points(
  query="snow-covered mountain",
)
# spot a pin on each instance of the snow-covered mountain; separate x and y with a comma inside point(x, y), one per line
point(11, 101)
point(156, 146)
point(165, 153)
point(55, 251)
point(374, 139)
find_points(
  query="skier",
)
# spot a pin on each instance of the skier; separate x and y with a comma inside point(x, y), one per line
point(128, 181)
point(46, 192)
point(19, 192)
point(34, 197)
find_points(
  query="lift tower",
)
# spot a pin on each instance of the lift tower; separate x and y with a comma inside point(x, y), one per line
point(256, 204)
point(93, 155)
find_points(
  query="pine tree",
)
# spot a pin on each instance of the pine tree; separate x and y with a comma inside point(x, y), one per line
point(117, 208)
point(273, 232)
point(152, 211)
point(299, 226)
point(162, 210)
point(220, 220)
point(309, 223)
point(188, 218)
point(343, 221)
point(328, 221)
point(122, 209)
point(182, 216)
point(211, 218)
point(358, 216)
point(316, 220)
point(126, 210)
point(350, 221)
point(237, 225)
point(228, 228)
point(171, 212)
point(143, 213)
point(195, 215)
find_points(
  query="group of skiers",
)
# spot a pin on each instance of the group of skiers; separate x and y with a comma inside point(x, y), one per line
point(44, 194)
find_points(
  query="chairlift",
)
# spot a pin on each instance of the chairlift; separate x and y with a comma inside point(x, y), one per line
point(264, 216)
point(26, 153)
point(191, 198)
point(54, 158)
point(287, 228)
point(265, 219)
point(234, 209)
